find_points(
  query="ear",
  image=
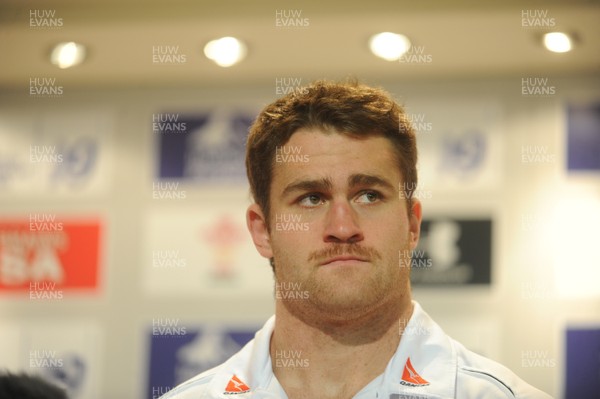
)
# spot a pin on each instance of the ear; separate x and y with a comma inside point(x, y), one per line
point(414, 221)
point(256, 222)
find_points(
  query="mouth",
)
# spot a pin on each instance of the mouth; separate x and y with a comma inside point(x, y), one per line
point(343, 260)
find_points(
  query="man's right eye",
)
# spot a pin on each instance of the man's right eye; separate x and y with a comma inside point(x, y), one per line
point(311, 200)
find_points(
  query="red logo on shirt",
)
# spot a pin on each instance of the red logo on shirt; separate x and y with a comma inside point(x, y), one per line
point(236, 386)
point(410, 377)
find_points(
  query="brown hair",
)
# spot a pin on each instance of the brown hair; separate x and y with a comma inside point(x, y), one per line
point(348, 108)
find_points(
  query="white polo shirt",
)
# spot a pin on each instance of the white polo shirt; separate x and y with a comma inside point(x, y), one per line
point(427, 365)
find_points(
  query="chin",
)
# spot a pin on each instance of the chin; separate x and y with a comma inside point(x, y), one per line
point(347, 305)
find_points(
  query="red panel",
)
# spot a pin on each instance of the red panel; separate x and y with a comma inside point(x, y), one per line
point(63, 253)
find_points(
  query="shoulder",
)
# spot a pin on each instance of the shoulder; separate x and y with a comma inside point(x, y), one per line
point(196, 387)
point(480, 377)
point(248, 366)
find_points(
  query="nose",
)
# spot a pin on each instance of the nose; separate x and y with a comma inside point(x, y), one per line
point(341, 224)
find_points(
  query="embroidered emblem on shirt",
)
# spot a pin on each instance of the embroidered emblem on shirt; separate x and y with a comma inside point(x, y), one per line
point(410, 377)
point(236, 386)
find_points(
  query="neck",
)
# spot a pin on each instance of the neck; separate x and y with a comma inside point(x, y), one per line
point(323, 357)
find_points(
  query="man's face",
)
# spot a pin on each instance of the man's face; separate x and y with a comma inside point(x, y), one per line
point(338, 226)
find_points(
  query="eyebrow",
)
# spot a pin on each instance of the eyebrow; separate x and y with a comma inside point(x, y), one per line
point(369, 180)
point(325, 184)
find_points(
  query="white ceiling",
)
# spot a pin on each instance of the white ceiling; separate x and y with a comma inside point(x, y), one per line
point(464, 38)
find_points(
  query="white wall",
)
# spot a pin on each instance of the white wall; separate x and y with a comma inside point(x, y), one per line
point(526, 308)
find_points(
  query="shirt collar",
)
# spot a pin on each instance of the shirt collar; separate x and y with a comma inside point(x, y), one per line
point(424, 364)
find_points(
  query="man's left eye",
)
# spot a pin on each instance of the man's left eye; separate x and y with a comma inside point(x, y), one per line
point(368, 197)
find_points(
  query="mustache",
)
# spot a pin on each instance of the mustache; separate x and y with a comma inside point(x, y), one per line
point(344, 249)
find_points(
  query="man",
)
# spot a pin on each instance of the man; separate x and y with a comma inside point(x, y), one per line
point(339, 160)
point(23, 386)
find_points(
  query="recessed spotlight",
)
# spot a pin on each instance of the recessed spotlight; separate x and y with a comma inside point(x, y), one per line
point(225, 51)
point(558, 42)
point(67, 54)
point(389, 46)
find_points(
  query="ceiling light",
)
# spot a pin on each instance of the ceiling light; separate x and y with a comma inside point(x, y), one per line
point(389, 46)
point(67, 54)
point(225, 51)
point(558, 42)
